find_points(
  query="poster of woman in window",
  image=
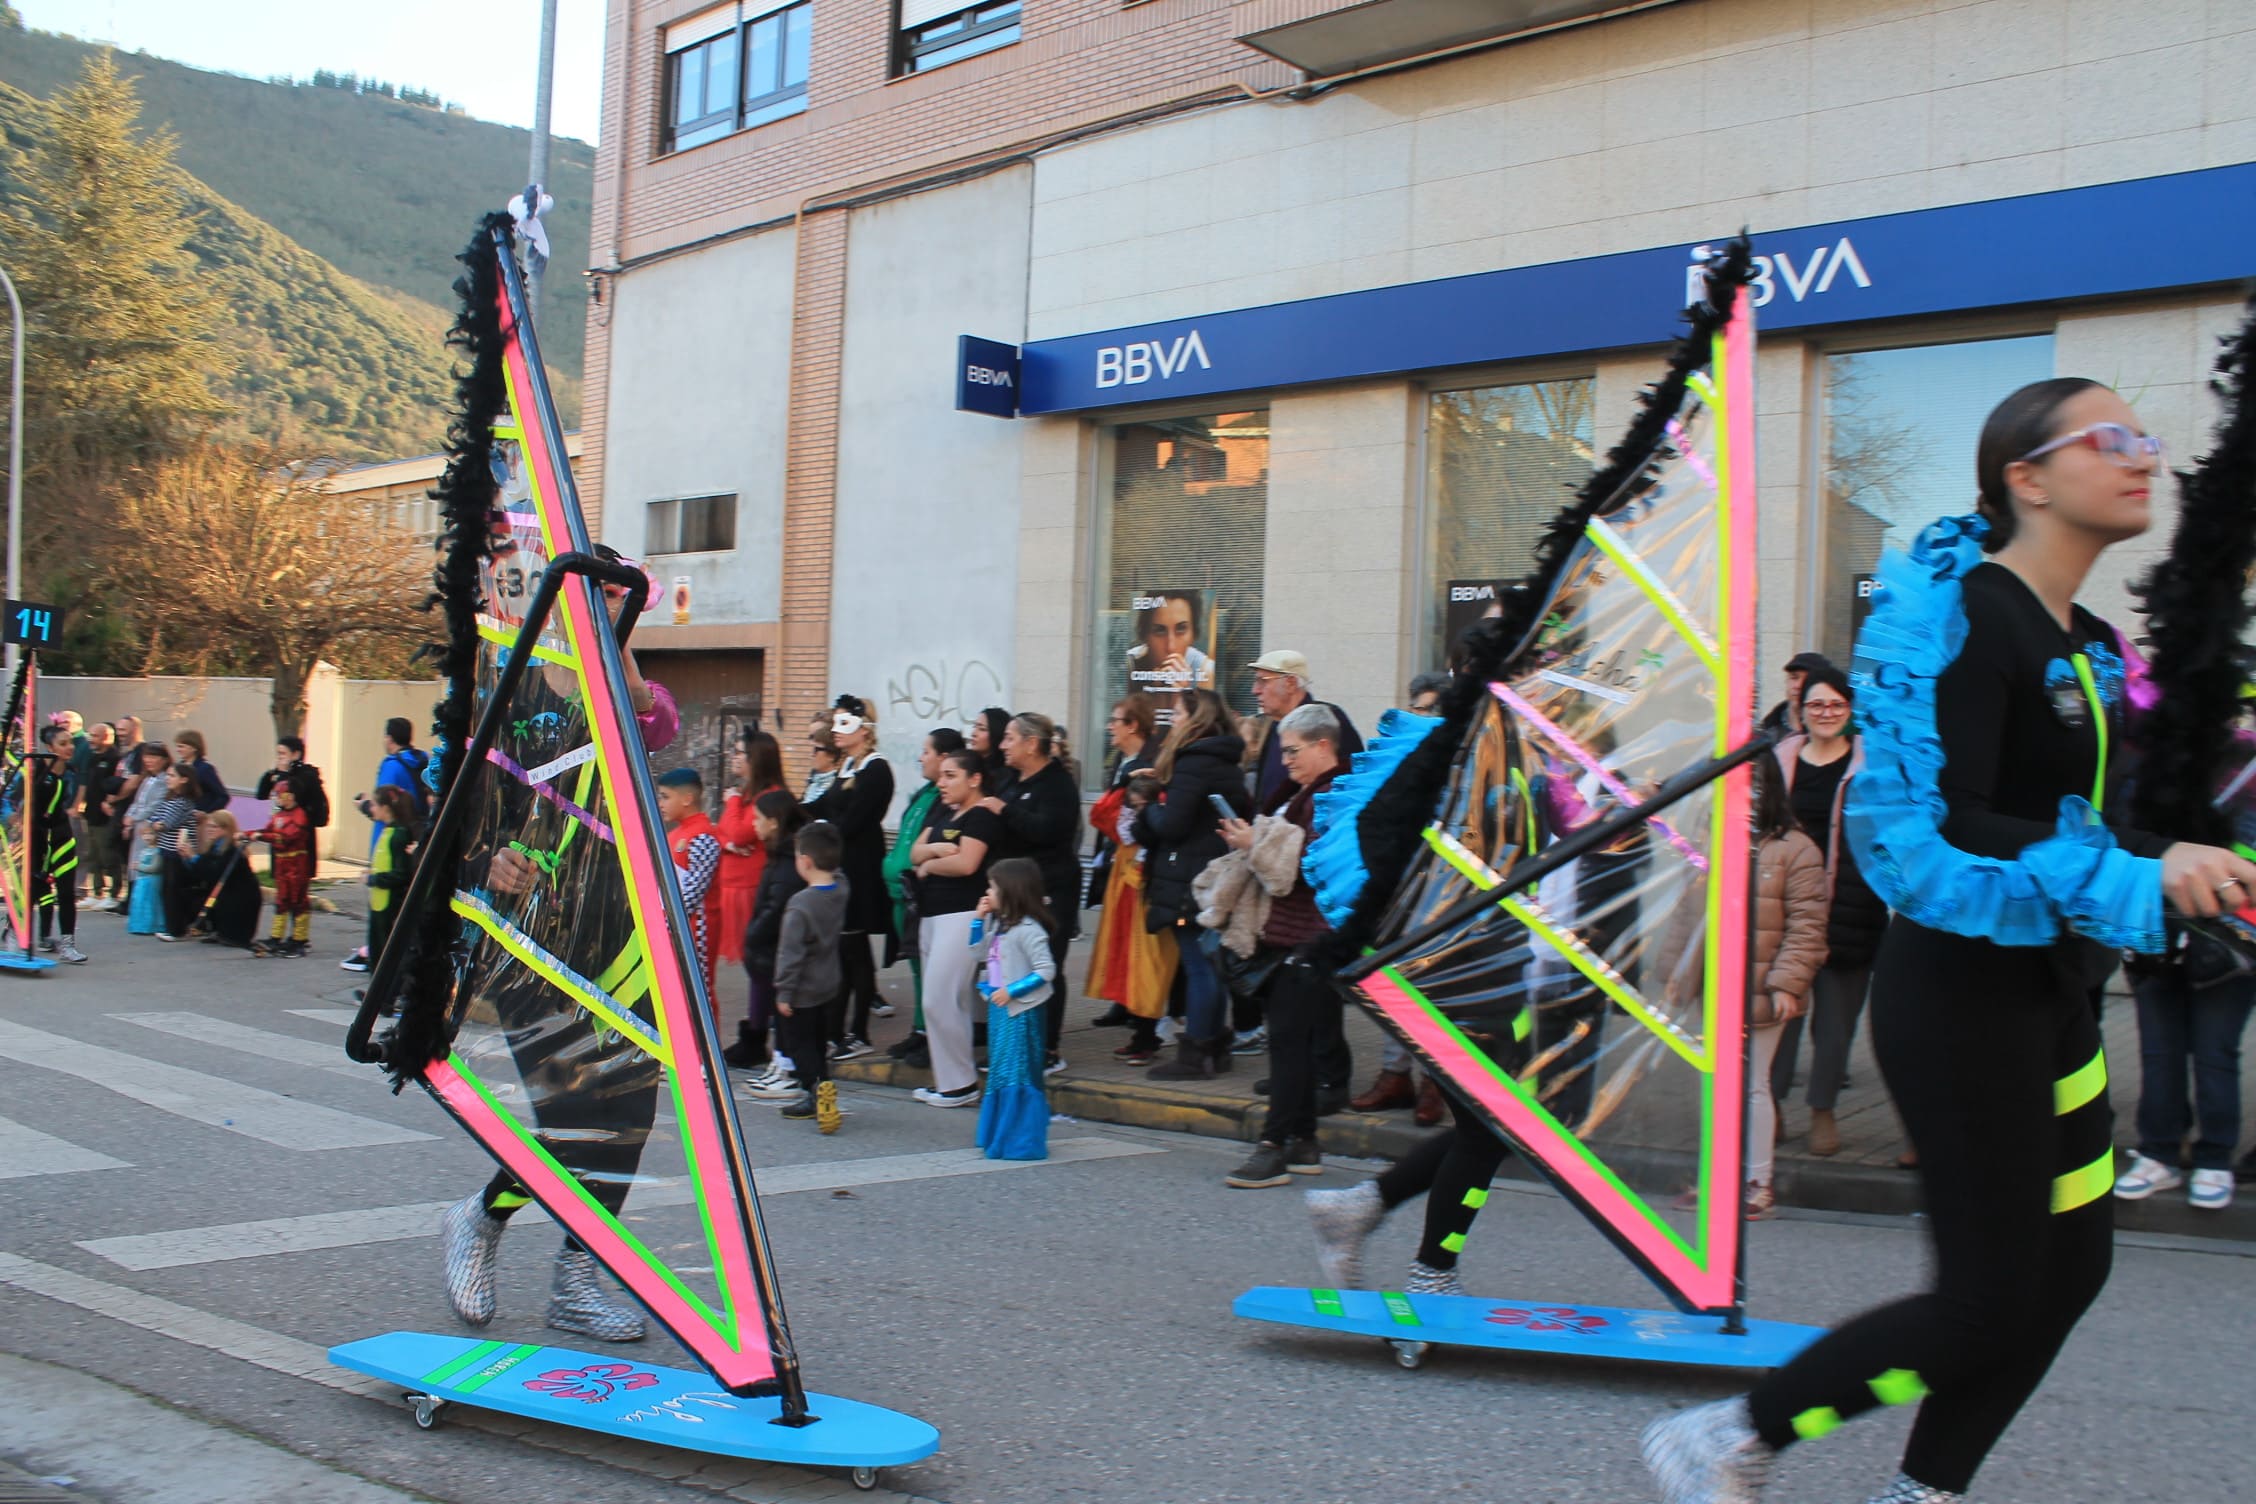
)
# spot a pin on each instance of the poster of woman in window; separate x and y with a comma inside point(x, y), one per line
point(1174, 647)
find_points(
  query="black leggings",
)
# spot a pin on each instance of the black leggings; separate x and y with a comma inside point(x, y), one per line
point(851, 1014)
point(1456, 1166)
point(1995, 1062)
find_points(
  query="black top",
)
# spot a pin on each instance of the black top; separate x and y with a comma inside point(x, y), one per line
point(313, 798)
point(856, 802)
point(1185, 824)
point(2017, 731)
point(1042, 820)
point(959, 895)
point(1815, 784)
point(779, 879)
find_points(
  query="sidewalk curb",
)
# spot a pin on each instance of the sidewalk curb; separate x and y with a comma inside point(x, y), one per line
point(1811, 1184)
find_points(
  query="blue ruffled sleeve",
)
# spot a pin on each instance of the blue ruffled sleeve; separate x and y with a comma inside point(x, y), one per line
point(2076, 881)
point(1333, 859)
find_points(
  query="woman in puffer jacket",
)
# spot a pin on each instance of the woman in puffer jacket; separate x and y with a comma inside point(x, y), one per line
point(1181, 833)
point(1789, 947)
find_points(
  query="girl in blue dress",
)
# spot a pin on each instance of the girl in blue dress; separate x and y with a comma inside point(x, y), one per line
point(1013, 923)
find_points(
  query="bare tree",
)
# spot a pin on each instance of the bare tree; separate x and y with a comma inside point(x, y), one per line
point(228, 559)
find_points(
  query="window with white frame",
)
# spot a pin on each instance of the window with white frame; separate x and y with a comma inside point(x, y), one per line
point(690, 525)
point(734, 67)
point(934, 33)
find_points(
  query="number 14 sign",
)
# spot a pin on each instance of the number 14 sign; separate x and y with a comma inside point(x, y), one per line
point(32, 623)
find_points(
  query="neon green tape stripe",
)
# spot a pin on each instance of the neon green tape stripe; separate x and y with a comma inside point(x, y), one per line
point(2084, 1186)
point(1699, 382)
point(2075, 1089)
point(1580, 956)
point(1454, 1242)
point(1476, 1198)
point(627, 1024)
point(543, 654)
point(1399, 1307)
point(495, 1369)
point(1811, 1425)
point(1527, 805)
point(1664, 600)
point(2099, 724)
point(1327, 1302)
point(455, 1365)
point(1898, 1386)
point(511, 1200)
point(1543, 1114)
point(626, 1234)
point(1522, 1026)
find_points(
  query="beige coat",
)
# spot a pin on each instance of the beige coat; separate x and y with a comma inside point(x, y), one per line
point(1790, 913)
point(1236, 889)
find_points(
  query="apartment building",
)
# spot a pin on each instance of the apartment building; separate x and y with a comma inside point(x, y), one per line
point(953, 354)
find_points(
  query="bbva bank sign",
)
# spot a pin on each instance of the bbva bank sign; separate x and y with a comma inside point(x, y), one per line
point(1140, 361)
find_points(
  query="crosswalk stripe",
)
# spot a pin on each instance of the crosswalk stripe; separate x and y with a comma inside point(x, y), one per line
point(211, 1100)
point(261, 1042)
point(389, 1224)
point(343, 1016)
point(25, 1152)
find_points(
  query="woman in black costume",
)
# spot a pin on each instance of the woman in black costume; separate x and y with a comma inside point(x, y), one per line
point(1980, 1019)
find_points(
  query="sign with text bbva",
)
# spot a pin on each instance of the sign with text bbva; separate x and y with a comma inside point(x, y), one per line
point(2187, 229)
point(986, 377)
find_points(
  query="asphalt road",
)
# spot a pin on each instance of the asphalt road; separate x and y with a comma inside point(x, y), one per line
point(1065, 1325)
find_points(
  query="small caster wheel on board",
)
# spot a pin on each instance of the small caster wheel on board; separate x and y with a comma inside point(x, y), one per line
point(1409, 1354)
point(865, 1477)
point(426, 1408)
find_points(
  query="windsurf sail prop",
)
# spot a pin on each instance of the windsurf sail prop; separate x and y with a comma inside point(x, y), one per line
point(1544, 892)
point(16, 843)
point(2194, 725)
point(547, 994)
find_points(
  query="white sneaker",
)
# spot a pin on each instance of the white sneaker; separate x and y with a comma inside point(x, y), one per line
point(101, 905)
point(70, 955)
point(881, 1010)
point(782, 1089)
point(2146, 1176)
point(2212, 1190)
point(968, 1097)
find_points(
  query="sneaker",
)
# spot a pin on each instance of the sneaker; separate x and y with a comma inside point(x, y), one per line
point(297, 948)
point(918, 1060)
point(70, 955)
point(801, 1108)
point(1264, 1167)
point(881, 1010)
point(852, 1047)
point(782, 1089)
point(1135, 1053)
point(826, 1106)
point(1425, 1279)
point(102, 905)
point(1167, 1029)
point(1114, 1017)
point(1708, 1454)
point(2145, 1177)
point(1342, 1220)
point(904, 1048)
point(1303, 1157)
point(2212, 1190)
point(469, 1237)
point(1251, 1042)
point(1055, 1067)
point(357, 961)
point(47, 942)
point(962, 1096)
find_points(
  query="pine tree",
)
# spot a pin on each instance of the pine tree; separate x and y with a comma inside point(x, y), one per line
point(119, 337)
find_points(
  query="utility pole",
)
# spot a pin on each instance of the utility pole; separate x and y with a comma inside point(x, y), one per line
point(539, 173)
point(15, 453)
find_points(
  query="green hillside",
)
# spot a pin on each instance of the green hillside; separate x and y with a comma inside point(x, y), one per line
point(350, 370)
point(382, 191)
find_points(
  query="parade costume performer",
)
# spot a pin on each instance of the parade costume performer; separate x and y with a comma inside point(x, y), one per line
point(1994, 714)
point(54, 851)
point(288, 834)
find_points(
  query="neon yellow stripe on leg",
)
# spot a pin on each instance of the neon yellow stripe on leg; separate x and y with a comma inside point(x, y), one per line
point(2084, 1186)
point(2080, 1086)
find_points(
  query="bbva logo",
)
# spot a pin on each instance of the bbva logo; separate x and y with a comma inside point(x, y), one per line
point(1133, 365)
point(1816, 274)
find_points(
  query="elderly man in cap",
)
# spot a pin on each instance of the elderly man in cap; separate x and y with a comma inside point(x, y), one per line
point(1281, 685)
point(1785, 718)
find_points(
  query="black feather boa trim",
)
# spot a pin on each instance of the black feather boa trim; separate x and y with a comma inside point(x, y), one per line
point(1391, 827)
point(466, 494)
point(2197, 616)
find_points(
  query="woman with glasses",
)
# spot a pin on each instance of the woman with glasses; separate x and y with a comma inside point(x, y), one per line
point(1993, 714)
point(1818, 766)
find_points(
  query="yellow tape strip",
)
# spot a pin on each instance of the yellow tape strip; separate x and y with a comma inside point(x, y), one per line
point(502, 637)
point(627, 1024)
point(1664, 599)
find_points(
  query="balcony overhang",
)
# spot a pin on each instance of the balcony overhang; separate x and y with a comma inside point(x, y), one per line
point(1327, 37)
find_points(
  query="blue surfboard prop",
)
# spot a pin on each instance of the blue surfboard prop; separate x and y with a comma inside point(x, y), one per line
point(620, 1396)
point(14, 961)
point(1410, 1323)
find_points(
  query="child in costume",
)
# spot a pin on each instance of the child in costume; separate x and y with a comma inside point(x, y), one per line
point(288, 833)
point(810, 977)
point(389, 864)
point(778, 819)
point(697, 854)
point(1020, 974)
point(54, 851)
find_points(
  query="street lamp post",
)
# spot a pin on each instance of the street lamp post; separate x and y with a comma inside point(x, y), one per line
point(15, 453)
point(539, 174)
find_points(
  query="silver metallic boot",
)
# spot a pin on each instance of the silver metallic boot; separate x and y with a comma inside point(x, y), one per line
point(1708, 1454)
point(577, 1302)
point(470, 1238)
point(1425, 1279)
point(1905, 1491)
point(1342, 1220)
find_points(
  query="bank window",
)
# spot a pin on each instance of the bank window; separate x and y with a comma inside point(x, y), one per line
point(1900, 431)
point(1500, 463)
point(1182, 532)
point(934, 33)
point(735, 67)
point(690, 525)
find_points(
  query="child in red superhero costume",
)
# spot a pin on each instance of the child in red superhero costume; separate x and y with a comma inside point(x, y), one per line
point(288, 833)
